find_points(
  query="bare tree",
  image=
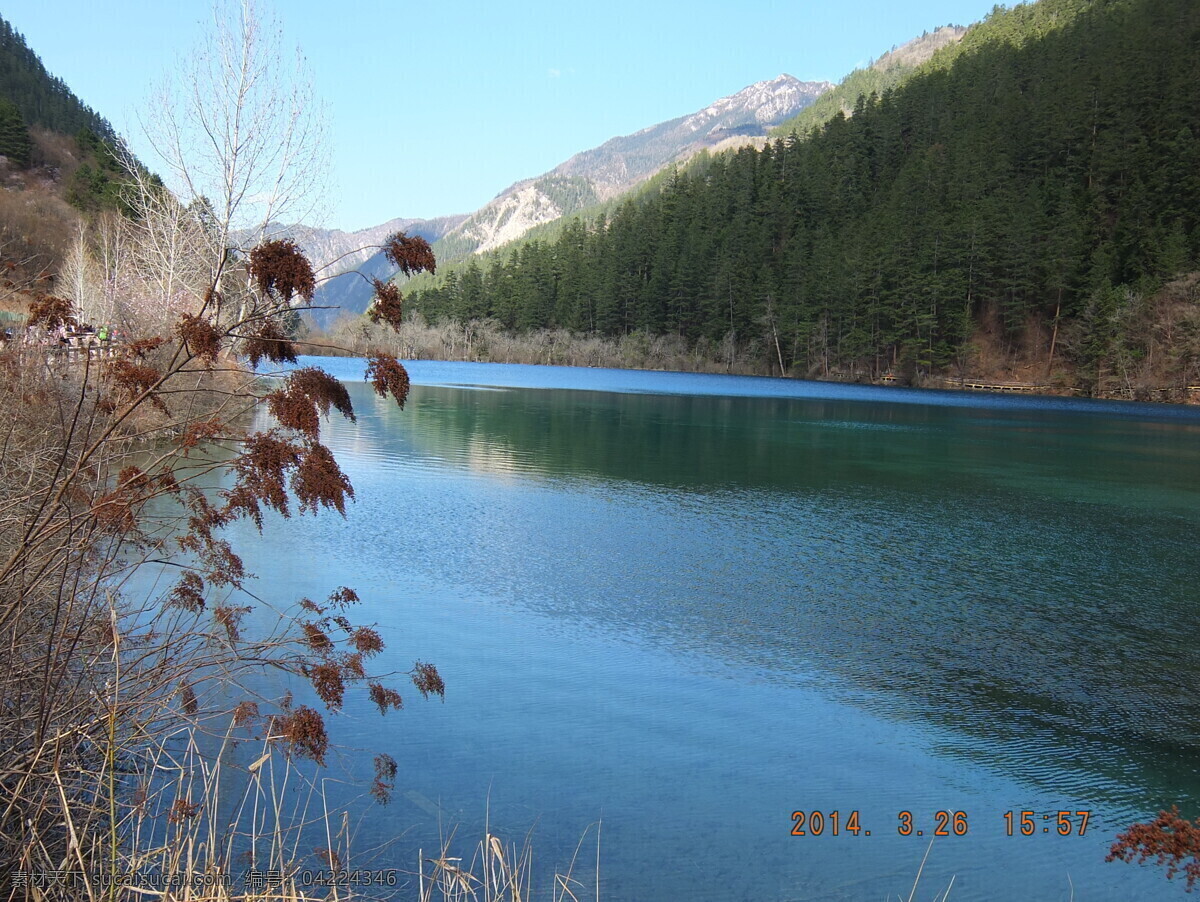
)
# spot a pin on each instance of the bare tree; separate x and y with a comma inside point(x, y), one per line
point(241, 129)
point(108, 465)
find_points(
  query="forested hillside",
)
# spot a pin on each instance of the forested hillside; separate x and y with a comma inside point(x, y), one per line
point(1042, 178)
point(60, 159)
point(889, 71)
point(41, 98)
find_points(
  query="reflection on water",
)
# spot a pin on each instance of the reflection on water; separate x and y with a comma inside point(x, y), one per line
point(691, 614)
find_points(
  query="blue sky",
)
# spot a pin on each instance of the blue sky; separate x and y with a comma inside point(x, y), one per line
point(438, 106)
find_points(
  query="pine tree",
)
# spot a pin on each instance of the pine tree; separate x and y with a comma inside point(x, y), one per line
point(14, 135)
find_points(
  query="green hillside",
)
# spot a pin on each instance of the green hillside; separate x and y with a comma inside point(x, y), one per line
point(60, 161)
point(41, 98)
point(1043, 173)
point(456, 251)
point(888, 72)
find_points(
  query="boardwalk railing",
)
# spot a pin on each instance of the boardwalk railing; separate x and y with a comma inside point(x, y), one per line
point(73, 351)
point(979, 385)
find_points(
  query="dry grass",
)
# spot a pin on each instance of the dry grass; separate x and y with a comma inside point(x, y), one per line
point(486, 341)
point(500, 872)
point(107, 466)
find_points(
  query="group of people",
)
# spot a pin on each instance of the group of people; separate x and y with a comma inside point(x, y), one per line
point(65, 337)
point(84, 337)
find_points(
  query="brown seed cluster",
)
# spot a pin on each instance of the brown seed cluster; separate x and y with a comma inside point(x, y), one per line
point(320, 482)
point(261, 474)
point(199, 432)
point(409, 254)
point(187, 699)
point(385, 767)
point(388, 306)
point(202, 338)
point(388, 376)
point(245, 714)
point(51, 312)
point(427, 680)
point(367, 640)
point(229, 617)
point(352, 666)
point(222, 566)
point(385, 778)
point(280, 268)
point(326, 679)
point(188, 593)
point(117, 510)
point(316, 638)
point(306, 393)
point(1169, 839)
point(268, 342)
point(141, 348)
point(304, 730)
point(183, 810)
point(131, 380)
point(385, 698)
point(328, 858)
point(343, 596)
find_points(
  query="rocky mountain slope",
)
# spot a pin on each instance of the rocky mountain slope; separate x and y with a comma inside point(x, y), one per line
point(598, 174)
point(621, 163)
point(888, 72)
point(334, 251)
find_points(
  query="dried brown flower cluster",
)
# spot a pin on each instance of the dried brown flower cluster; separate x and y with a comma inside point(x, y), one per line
point(409, 254)
point(268, 342)
point(1169, 839)
point(269, 463)
point(388, 376)
point(367, 640)
point(280, 268)
point(245, 713)
point(326, 679)
point(51, 312)
point(385, 698)
point(334, 669)
point(187, 699)
point(141, 348)
point(202, 337)
point(343, 596)
point(230, 619)
point(318, 640)
point(222, 567)
point(261, 475)
point(320, 482)
point(307, 393)
point(329, 858)
point(304, 730)
point(388, 306)
point(199, 432)
point(427, 680)
point(188, 593)
point(352, 666)
point(385, 778)
point(117, 509)
point(132, 380)
point(183, 810)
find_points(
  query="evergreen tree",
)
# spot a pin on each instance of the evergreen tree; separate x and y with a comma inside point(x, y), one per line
point(14, 136)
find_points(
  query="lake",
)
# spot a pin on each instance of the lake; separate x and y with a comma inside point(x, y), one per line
point(687, 607)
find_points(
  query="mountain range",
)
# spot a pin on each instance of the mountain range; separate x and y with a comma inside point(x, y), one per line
point(592, 176)
point(333, 250)
point(621, 164)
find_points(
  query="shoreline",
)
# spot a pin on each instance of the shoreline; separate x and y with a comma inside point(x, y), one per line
point(1188, 395)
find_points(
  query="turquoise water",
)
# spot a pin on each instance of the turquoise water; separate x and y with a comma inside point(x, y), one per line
point(687, 606)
